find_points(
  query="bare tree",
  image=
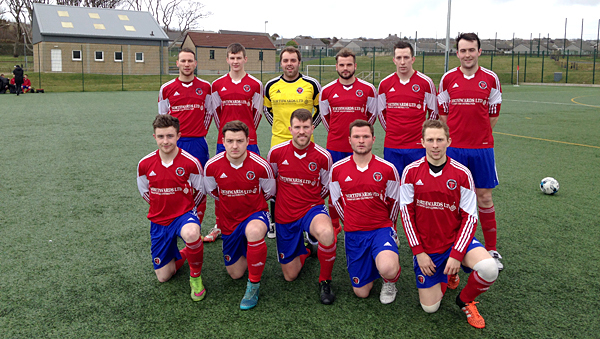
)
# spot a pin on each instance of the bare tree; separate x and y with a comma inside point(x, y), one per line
point(17, 10)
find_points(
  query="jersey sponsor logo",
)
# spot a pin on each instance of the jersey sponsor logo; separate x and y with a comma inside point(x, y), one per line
point(246, 88)
point(416, 88)
point(176, 94)
point(157, 261)
point(199, 91)
point(421, 279)
point(455, 85)
point(348, 179)
point(355, 280)
point(223, 176)
point(451, 184)
point(250, 175)
point(312, 166)
point(300, 90)
point(285, 162)
point(165, 191)
point(180, 171)
point(419, 183)
point(152, 174)
point(482, 84)
point(237, 192)
point(363, 196)
point(377, 176)
point(227, 257)
point(359, 93)
point(296, 181)
point(435, 205)
point(187, 107)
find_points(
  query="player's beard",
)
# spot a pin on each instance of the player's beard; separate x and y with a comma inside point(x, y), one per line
point(365, 150)
point(346, 77)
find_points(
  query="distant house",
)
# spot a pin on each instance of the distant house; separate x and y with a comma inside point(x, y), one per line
point(309, 44)
point(97, 40)
point(211, 51)
point(430, 47)
point(522, 49)
point(360, 47)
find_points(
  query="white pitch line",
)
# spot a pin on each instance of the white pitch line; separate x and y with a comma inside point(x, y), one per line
point(543, 102)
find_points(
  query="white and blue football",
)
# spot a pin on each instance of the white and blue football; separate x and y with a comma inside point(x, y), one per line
point(549, 185)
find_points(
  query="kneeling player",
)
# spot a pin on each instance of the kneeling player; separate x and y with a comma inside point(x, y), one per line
point(302, 170)
point(364, 190)
point(170, 180)
point(241, 180)
point(439, 214)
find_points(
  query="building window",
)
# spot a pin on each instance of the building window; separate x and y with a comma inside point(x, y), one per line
point(76, 56)
point(99, 56)
point(119, 56)
point(212, 54)
point(139, 57)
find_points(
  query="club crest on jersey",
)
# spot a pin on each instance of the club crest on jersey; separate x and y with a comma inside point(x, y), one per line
point(482, 85)
point(199, 91)
point(180, 171)
point(421, 279)
point(246, 88)
point(312, 166)
point(250, 175)
point(355, 280)
point(281, 256)
point(300, 90)
point(377, 176)
point(359, 93)
point(157, 261)
point(227, 257)
point(451, 184)
point(416, 88)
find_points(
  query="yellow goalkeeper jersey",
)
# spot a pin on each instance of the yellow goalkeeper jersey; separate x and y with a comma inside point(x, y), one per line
point(283, 97)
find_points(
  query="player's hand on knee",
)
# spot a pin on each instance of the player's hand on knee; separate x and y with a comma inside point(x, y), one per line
point(452, 266)
point(426, 264)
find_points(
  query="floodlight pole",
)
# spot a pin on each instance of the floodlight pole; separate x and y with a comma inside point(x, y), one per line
point(447, 54)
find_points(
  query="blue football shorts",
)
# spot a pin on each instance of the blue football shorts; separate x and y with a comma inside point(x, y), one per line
point(290, 240)
point(253, 148)
point(481, 163)
point(164, 239)
point(401, 157)
point(196, 147)
point(236, 244)
point(337, 156)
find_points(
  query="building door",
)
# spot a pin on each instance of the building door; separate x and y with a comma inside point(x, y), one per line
point(56, 60)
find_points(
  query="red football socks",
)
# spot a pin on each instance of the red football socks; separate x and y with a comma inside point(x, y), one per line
point(195, 256)
point(487, 218)
point(326, 255)
point(475, 286)
point(256, 255)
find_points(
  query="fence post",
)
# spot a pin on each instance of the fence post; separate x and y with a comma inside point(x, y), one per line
point(593, 71)
point(82, 77)
point(518, 65)
point(373, 66)
point(492, 61)
point(512, 67)
point(320, 63)
point(123, 61)
point(525, 69)
point(543, 55)
point(567, 76)
point(423, 67)
point(40, 68)
point(261, 58)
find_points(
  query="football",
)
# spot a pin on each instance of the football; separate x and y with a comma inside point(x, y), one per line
point(549, 185)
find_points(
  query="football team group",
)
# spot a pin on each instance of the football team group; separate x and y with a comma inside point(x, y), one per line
point(437, 173)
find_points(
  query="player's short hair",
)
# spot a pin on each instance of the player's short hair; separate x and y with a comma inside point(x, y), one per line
point(291, 49)
point(344, 53)
point(235, 48)
point(186, 50)
point(404, 44)
point(469, 37)
point(361, 123)
point(435, 124)
point(235, 126)
point(302, 115)
point(165, 121)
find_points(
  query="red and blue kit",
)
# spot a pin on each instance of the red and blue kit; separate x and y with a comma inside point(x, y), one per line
point(241, 191)
point(403, 107)
point(340, 105)
point(242, 100)
point(439, 210)
point(171, 189)
point(190, 103)
point(469, 102)
point(302, 179)
point(365, 198)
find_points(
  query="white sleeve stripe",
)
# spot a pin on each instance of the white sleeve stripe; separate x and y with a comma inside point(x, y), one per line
point(408, 227)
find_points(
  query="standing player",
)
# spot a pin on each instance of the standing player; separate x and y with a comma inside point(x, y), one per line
point(406, 98)
point(236, 96)
point(302, 170)
point(284, 95)
point(18, 72)
point(343, 101)
point(241, 181)
point(470, 98)
point(439, 212)
point(365, 189)
point(188, 99)
point(170, 180)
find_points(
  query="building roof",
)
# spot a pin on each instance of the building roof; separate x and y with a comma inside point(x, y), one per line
point(200, 39)
point(92, 22)
point(222, 31)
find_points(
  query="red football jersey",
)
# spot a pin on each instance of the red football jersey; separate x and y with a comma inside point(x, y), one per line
point(365, 198)
point(438, 209)
point(469, 102)
point(302, 179)
point(190, 103)
point(403, 107)
point(241, 191)
point(171, 189)
point(241, 100)
point(340, 105)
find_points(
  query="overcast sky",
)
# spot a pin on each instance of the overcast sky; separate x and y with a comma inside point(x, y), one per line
point(377, 19)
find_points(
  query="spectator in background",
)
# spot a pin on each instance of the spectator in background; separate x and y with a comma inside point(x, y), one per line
point(18, 72)
point(26, 84)
point(3, 84)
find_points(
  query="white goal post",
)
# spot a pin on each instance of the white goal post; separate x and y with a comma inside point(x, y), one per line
point(318, 66)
